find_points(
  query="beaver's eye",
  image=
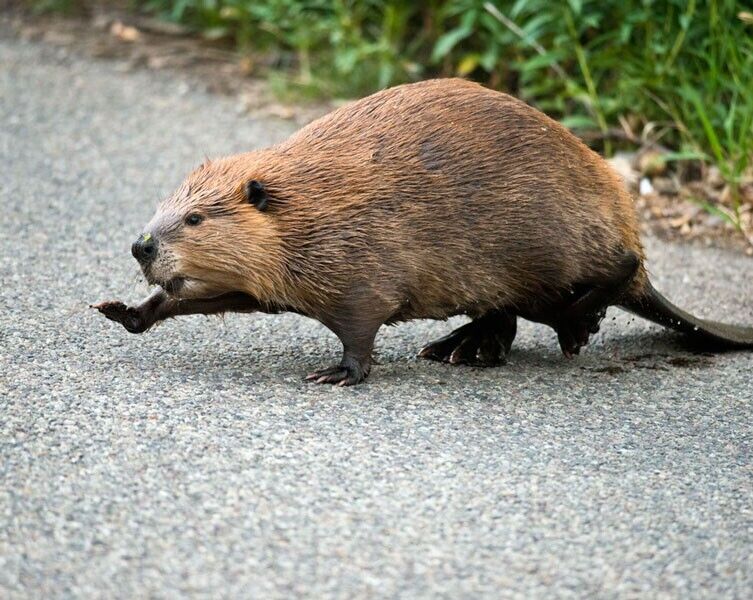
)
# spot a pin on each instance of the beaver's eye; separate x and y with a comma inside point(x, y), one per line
point(194, 219)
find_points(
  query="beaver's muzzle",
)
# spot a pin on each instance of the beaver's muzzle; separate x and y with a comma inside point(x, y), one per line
point(144, 249)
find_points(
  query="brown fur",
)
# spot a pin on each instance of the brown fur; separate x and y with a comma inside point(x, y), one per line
point(425, 200)
point(422, 201)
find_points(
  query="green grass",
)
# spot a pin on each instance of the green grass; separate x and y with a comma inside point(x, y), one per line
point(681, 69)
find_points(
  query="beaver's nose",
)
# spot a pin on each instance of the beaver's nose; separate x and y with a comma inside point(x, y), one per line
point(144, 249)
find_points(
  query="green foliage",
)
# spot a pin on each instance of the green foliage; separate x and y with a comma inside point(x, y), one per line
point(591, 60)
point(683, 66)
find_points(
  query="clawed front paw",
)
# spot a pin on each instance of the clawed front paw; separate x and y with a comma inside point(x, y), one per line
point(340, 375)
point(127, 316)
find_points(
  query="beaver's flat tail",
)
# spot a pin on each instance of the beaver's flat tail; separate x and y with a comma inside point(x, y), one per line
point(710, 335)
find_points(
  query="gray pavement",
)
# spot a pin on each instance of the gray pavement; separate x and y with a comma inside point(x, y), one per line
point(193, 460)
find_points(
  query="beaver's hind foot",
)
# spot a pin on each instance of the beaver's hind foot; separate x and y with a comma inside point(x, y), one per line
point(484, 342)
point(574, 334)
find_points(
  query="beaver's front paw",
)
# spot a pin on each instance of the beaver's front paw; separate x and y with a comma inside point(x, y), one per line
point(348, 372)
point(130, 318)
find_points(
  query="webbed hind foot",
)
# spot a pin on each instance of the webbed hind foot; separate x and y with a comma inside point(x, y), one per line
point(573, 334)
point(484, 342)
point(583, 316)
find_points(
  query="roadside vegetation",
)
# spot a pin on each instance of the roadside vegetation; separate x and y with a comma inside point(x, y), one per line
point(674, 74)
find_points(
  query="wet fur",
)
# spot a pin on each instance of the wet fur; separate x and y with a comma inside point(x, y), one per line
point(422, 201)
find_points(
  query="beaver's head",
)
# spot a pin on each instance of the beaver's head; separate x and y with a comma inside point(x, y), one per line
point(213, 235)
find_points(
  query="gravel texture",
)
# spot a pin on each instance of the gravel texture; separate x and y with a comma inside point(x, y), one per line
point(194, 461)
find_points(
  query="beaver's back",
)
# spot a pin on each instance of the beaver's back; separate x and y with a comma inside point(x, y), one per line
point(445, 195)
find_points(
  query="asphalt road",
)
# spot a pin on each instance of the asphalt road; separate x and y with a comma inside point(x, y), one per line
point(194, 460)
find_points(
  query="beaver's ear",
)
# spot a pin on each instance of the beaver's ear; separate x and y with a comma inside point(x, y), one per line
point(256, 194)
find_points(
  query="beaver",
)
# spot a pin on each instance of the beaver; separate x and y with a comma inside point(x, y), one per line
point(422, 201)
